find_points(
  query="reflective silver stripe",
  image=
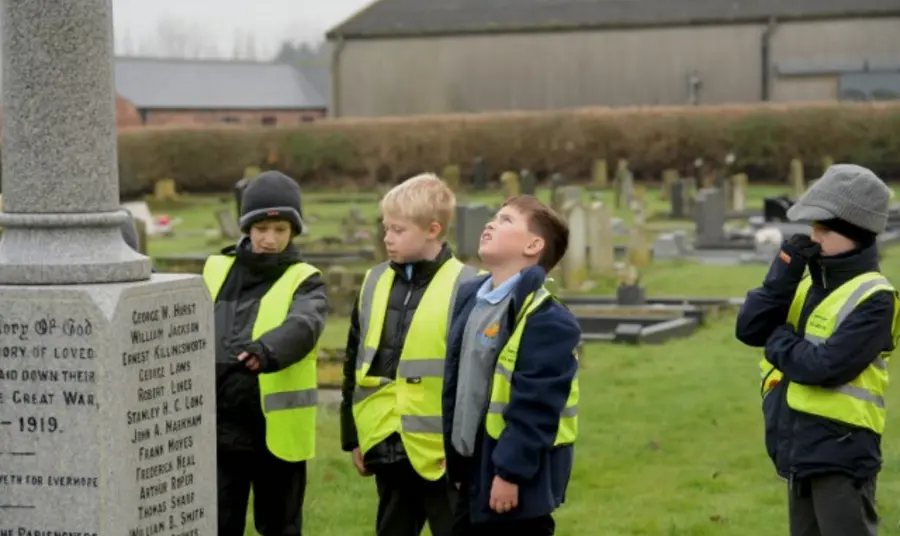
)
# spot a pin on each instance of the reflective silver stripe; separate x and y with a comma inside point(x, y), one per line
point(421, 368)
point(418, 424)
point(499, 407)
point(844, 312)
point(290, 400)
point(362, 393)
point(416, 368)
point(860, 394)
point(503, 371)
point(367, 296)
point(854, 298)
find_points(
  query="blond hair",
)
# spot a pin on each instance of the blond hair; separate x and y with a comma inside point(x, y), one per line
point(423, 199)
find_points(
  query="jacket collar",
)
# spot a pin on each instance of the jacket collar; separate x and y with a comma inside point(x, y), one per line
point(832, 272)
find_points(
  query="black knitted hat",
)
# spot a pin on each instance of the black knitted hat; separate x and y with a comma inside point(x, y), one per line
point(272, 196)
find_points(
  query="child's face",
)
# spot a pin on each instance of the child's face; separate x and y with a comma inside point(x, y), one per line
point(508, 238)
point(406, 241)
point(270, 236)
point(832, 243)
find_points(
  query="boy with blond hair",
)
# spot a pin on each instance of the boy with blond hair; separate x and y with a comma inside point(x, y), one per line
point(510, 394)
point(391, 395)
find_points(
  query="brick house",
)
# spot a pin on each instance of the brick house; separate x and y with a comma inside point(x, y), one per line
point(162, 91)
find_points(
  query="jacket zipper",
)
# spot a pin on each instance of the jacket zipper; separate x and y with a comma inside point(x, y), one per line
point(399, 336)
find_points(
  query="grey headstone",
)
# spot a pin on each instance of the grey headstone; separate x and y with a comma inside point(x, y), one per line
point(479, 174)
point(710, 217)
point(527, 182)
point(470, 223)
point(631, 295)
point(677, 199)
point(666, 247)
point(107, 388)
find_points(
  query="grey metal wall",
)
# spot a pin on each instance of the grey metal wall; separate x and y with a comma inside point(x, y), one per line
point(813, 54)
point(608, 68)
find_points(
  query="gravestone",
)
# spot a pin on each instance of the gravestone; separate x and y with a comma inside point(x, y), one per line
point(673, 245)
point(601, 247)
point(528, 182)
point(107, 392)
point(510, 182)
point(710, 218)
point(228, 225)
point(623, 184)
point(689, 192)
point(239, 188)
point(775, 208)
point(796, 179)
point(557, 180)
point(669, 178)
point(676, 200)
point(600, 174)
point(470, 223)
point(574, 263)
point(739, 192)
point(479, 174)
point(630, 292)
point(727, 187)
point(638, 249)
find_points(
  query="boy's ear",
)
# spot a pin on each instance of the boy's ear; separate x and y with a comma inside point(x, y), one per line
point(434, 230)
point(535, 247)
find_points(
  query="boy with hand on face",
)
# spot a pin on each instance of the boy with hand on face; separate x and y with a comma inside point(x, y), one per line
point(270, 310)
point(391, 407)
point(827, 336)
point(510, 392)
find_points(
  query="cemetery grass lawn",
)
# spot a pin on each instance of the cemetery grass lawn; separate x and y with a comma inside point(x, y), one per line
point(198, 233)
point(671, 444)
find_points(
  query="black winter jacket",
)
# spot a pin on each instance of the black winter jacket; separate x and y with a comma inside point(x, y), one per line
point(240, 421)
point(801, 444)
point(402, 303)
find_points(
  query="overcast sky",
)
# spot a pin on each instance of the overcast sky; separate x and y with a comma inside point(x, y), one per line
point(216, 25)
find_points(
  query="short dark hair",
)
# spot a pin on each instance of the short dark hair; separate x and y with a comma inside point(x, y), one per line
point(547, 224)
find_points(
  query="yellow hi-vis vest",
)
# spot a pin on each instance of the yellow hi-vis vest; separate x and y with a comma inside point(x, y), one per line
point(501, 386)
point(411, 404)
point(861, 401)
point(289, 396)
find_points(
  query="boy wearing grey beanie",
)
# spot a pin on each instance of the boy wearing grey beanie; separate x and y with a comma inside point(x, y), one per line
point(827, 319)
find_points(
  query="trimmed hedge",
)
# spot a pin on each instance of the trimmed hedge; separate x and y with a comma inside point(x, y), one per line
point(345, 152)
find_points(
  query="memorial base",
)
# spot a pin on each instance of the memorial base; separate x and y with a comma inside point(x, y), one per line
point(107, 409)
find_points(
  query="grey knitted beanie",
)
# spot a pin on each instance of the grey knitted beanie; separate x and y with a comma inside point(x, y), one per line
point(847, 192)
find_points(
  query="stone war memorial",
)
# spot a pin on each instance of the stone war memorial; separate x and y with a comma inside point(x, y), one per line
point(107, 400)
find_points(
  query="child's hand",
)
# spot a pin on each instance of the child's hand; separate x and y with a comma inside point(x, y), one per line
point(504, 496)
point(250, 361)
point(358, 462)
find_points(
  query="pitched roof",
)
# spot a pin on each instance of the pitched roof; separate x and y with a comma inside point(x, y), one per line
point(149, 83)
point(395, 18)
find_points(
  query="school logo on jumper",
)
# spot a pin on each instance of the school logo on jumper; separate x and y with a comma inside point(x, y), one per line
point(488, 337)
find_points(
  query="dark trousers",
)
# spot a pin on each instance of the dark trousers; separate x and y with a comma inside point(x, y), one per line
point(832, 505)
point(406, 501)
point(278, 491)
point(463, 526)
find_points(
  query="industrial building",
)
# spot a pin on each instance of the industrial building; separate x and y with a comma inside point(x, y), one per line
point(406, 57)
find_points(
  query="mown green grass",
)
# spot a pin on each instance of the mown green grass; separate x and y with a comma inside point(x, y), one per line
point(671, 435)
point(197, 233)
